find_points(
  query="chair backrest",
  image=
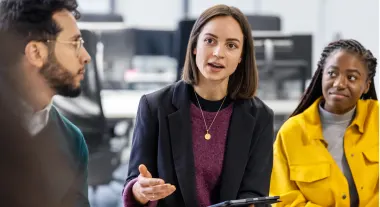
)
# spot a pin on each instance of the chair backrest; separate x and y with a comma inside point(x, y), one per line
point(180, 42)
point(264, 22)
point(91, 87)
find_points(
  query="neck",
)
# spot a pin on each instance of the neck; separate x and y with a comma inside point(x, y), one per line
point(36, 92)
point(39, 101)
point(212, 91)
point(335, 110)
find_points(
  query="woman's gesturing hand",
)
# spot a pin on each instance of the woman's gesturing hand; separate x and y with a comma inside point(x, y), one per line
point(150, 189)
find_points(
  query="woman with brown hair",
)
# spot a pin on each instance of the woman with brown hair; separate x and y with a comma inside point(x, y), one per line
point(206, 138)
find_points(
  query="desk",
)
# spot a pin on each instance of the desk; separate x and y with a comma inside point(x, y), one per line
point(124, 104)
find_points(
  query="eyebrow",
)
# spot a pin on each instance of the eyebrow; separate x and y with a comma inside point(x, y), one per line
point(354, 71)
point(351, 70)
point(76, 37)
point(228, 39)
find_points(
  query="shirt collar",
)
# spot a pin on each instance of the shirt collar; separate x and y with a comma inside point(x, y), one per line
point(36, 121)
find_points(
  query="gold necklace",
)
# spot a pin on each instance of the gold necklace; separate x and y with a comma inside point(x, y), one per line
point(208, 135)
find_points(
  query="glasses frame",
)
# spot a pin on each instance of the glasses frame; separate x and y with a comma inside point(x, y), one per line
point(78, 43)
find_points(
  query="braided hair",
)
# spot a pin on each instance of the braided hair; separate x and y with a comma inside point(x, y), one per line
point(314, 90)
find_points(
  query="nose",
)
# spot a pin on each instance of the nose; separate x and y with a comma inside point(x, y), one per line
point(84, 57)
point(340, 82)
point(218, 52)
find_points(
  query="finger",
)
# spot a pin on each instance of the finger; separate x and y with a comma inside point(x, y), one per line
point(149, 182)
point(158, 196)
point(158, 192)
point(144, 171)
point(157, 189)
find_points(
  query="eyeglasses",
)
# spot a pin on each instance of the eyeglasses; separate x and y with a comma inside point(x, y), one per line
point(78, 44)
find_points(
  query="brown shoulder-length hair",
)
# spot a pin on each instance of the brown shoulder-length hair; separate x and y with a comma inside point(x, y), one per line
point(243, 82)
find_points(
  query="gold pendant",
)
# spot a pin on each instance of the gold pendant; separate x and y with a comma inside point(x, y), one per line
point(207, 136)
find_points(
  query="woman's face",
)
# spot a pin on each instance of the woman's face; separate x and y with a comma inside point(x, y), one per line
point(344, 81)
point(219, 49)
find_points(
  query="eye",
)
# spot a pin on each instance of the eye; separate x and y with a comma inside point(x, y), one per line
point(74, 43)
point(209, 41)
point(231, 46)
point(352, 78)
point(331, 73)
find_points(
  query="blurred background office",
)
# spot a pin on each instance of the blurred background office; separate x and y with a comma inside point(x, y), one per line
point(139, 46)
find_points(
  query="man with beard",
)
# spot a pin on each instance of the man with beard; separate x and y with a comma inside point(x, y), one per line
point(50, 61)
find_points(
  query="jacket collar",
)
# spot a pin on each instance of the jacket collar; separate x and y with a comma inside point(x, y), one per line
point(311, 121)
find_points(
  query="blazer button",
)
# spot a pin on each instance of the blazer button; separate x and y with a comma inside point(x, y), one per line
point(344, 196)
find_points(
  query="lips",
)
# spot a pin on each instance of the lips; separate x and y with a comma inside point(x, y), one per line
point(81, 72)
point(338, 96)
point(216, 65)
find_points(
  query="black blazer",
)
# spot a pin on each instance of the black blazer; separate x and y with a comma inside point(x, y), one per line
point(162, 141)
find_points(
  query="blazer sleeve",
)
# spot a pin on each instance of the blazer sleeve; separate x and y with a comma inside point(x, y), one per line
point(144, 143)
point(258, 170)
point(281, 185)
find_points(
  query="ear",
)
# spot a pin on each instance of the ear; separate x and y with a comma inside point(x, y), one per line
point(368, 84)
point(195, 51)
point(36, 53)
point(240, 60)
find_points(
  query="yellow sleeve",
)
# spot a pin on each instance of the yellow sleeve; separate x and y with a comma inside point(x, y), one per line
point(281, 185)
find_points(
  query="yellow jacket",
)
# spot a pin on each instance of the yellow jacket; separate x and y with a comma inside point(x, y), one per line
point(305, 174)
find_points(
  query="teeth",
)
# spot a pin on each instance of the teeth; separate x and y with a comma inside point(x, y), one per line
point(216, 65)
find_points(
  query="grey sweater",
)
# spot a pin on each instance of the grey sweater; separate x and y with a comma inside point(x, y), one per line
point(334, 127)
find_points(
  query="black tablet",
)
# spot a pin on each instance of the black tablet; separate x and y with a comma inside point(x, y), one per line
point(248, 201)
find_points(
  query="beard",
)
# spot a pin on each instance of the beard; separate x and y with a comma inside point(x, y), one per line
point(59, 78)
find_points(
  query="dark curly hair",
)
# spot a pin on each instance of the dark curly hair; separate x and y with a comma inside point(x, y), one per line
point(33, 19)
point(314, 91)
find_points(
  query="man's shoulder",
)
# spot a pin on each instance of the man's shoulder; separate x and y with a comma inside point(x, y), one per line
point(68, 125)
point(75, 133)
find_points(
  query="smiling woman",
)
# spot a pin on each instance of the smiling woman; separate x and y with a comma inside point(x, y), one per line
point(327, 153)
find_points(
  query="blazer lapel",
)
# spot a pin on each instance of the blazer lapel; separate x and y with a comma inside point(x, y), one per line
point(181, 143)
point(239, 139)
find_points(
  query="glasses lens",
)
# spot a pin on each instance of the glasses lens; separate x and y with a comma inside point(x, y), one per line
point(79, 45)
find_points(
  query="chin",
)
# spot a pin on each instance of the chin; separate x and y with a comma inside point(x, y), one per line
point(67, 91)
point(215, 77)
point(339, 107)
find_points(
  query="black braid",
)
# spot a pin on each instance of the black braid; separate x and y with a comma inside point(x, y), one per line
point(314, 91)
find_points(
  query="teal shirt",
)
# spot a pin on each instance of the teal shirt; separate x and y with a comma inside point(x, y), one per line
point(67, 154)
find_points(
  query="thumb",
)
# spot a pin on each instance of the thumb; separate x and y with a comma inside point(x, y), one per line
point(144, 171)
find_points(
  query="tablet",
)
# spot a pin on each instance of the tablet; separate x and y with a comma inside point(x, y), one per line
point(247, 201)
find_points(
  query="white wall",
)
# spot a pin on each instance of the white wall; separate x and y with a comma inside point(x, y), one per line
point(323, 18)
point(95, 6)
point(198, 6)
point(153, 14)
